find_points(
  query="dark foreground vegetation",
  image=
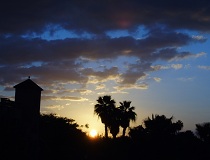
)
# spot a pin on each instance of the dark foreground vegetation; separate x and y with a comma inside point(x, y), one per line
point(60, 138)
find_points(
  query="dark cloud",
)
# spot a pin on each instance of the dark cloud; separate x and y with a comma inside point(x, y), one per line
point(101, 75)
point(55, 60)
point(24, 52)
point(99, 16)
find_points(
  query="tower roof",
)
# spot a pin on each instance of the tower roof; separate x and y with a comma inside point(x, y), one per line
point(28, 84)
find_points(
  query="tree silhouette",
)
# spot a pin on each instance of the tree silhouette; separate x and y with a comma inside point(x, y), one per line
point(127, 114)
point(104, 109)
point(60, 138)
point(160, 125)
point(114, 126)
point(138, 133)
point(203, 131)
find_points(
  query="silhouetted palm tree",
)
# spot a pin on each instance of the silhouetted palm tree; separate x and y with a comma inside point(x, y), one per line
point(114, 126)
point(114, 129)
point(104, 109)
point(127, 114)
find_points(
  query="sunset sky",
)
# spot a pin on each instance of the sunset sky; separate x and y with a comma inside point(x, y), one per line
point(155, 53)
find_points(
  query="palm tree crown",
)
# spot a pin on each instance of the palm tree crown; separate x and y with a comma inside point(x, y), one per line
point(127, 114)
point(104, 109)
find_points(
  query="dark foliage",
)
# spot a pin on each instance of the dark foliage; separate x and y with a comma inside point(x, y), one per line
point(161, 138)
point(203, 131)
point(60, 138)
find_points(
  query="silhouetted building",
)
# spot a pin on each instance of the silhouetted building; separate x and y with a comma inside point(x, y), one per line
point(27, 99)
point(19, 119)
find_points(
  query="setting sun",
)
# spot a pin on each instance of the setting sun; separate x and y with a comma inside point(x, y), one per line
point(93, 133)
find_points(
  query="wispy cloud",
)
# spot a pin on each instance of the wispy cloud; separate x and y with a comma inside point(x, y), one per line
point(61, 98)
point(157, 79)
point(186, 79)
point(164, 67)
point(51, 107)
point(199, 38)
point(204, 67)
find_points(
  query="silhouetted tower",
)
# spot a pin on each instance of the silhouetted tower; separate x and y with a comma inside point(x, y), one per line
point(27, 101)
point(27, 98)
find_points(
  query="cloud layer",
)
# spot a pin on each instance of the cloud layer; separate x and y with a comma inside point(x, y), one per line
point(99, 16)
point(155, 31)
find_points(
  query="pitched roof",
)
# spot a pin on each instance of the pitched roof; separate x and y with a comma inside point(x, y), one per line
point(28, 84)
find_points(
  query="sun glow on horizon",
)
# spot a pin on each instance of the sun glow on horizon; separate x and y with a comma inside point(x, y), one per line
point(93, 133)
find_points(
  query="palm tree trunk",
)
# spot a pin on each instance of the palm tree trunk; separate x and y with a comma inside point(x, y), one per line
point(106, 131)
point(124, 130)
